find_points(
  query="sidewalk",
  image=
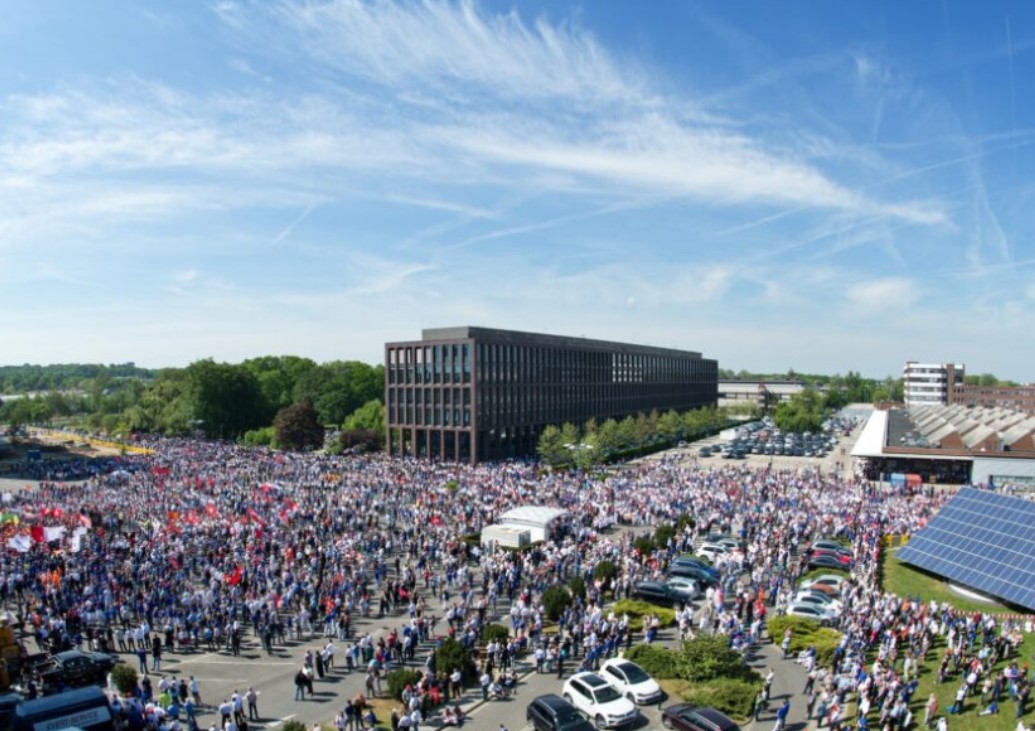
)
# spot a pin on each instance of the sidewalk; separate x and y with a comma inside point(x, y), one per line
point(788, 682)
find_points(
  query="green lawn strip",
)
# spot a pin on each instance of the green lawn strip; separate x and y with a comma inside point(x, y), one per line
point(905, 580)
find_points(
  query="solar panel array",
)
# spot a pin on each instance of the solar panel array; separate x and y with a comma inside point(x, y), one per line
point(982, 540)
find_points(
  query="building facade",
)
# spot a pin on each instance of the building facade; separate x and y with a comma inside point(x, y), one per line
point(471, 393)
point(1020, 398)
point(929, 384)
point(760, 393)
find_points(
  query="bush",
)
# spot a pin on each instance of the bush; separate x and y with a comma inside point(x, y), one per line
point(293, 725)
point(705, 659)
point(806, 633)
point(659, 662)
point(663, 534)
point(732, 697)
point(605, 571)
point(399, 679)
point(492, 632)
point(451, 655)
point(577, 587)
point(555, 600)
point(685, 520)
point(125, 679)
point(636, 609)
point(644, 544)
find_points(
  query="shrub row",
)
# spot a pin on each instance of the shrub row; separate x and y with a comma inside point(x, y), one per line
point(636, 609)
point(806, 633)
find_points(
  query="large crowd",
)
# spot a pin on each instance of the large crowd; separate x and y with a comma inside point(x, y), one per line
point(201, 542)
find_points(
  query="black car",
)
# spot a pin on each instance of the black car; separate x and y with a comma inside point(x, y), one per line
point(656, 593)
point(552, 713)
point(74, 669)
point(827, 561)
point(686, 717)
point(695, 562)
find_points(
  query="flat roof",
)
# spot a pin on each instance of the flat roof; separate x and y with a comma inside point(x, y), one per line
point(517, 337)
point(871, 441)
point(532, 515)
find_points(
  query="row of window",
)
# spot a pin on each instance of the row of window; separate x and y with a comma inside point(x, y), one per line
point(497, 363)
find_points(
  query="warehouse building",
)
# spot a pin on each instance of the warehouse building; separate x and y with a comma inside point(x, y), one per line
point(473, 393)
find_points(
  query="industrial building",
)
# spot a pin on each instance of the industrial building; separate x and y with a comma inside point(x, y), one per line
point(473, 393)
point(950, 443)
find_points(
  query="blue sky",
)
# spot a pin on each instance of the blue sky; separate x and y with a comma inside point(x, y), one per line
point(818, 186)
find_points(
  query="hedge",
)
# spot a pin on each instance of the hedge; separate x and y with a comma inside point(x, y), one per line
point(636, 609)
point(659, 662)
point(806, 633)
point(733, 697)
point(492, 632)
point(399, 679)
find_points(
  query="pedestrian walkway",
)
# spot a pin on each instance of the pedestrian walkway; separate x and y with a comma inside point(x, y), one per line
point(788, 683)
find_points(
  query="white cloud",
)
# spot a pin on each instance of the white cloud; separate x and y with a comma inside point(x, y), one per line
point(878, 296)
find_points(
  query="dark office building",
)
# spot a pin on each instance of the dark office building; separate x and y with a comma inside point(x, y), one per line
point(474, 393)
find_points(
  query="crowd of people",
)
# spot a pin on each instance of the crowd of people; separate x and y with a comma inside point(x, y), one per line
point(217, 540)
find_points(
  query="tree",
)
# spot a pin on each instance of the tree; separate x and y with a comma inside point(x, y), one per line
point(338, 388)
point(802, 412)
point(297, 427)
point(225, 399)
point(368, 417)
point(551, 446)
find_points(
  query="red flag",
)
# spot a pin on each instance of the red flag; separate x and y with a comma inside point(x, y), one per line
point(255, 516)
point(37, 533)
point(234, 578)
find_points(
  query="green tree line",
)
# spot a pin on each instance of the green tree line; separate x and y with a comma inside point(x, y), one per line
point(62, 377)
point(593, 443)
point(223, 400)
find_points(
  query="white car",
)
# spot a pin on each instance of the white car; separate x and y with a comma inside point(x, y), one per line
point(712, 551)
point(631, 680)
point(686, 588)
point(812, 611)
point(819, 599)
point(599, 701)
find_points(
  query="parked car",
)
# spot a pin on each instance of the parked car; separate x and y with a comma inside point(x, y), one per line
point(657, 592)
point(631, 680)
point(712, 551)
point(827, 562)
point(600, 702)
point(686, 717)
point(550, 712)
point(704, 452)
point(74, 669)
point(811, 611)
point(833, 581)
point(845, 558)
point(686, 589)
point(817, 598)
point(701, 576)
point(691, 560)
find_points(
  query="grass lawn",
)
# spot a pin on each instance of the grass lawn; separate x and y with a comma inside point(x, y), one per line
point(904, 580)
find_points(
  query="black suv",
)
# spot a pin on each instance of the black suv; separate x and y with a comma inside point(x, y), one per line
point(552, 713)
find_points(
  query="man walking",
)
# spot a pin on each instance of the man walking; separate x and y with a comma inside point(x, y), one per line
point(781, 715)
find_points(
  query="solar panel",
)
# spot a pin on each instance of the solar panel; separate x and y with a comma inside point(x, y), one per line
point(983, 540)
